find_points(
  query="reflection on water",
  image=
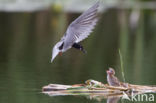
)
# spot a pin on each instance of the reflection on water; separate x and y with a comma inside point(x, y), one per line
point(113, 100)
point(26, 40)
point(111, 96)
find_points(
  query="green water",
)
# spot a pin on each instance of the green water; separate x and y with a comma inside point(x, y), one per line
point(26, 41)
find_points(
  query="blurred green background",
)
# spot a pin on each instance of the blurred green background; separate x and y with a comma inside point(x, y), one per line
point(30, 28)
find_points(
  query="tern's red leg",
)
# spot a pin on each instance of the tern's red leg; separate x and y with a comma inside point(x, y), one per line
point(60, 53)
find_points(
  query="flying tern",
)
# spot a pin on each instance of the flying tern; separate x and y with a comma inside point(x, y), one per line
point(77, 31)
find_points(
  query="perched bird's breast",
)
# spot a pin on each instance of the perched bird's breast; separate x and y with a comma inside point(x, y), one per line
point(112, 81)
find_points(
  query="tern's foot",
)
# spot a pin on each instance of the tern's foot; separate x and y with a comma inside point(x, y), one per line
point(84, 51)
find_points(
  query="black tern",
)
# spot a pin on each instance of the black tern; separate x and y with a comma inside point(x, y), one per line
point(77, 31)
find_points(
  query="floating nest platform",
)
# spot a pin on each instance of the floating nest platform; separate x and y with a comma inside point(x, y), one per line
point(98, 89)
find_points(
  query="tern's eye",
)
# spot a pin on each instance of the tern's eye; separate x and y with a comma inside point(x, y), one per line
point(61, 47)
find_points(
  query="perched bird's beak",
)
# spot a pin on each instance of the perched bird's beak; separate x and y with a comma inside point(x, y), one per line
point(108, 72)
point(54, 53)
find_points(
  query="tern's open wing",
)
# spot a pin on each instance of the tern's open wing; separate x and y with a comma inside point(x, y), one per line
point(82, 26)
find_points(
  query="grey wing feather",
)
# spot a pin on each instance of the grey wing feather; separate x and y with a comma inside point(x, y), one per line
point(82, 26)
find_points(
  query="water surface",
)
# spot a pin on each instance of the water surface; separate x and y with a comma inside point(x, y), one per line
point(26, 41)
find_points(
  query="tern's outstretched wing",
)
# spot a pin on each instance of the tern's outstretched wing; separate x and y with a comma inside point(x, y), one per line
point(81, 27)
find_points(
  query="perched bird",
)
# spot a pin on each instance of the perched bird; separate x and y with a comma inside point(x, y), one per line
point(111, 79)
point(78, 30)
